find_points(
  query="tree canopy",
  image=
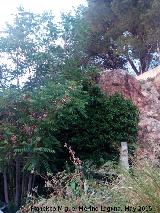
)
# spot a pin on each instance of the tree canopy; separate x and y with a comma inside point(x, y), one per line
point(85, 42)
point(132, 27)
point(29, 47)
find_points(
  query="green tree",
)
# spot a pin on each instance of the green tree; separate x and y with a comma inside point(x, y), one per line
point(85, 44)
point(27, 150)
point(28, 46)
point(132, 26)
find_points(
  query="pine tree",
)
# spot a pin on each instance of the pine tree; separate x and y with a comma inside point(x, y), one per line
point(85, 44)
point(131, 25)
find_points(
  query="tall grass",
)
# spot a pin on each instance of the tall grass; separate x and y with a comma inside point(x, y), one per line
point(139, 188)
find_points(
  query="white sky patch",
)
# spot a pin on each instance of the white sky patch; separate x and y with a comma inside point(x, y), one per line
point(9, 7)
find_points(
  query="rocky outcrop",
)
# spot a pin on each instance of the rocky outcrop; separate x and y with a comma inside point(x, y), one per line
point(157, 84)
point(119, 81)
point(144, 92)
point(149, 125)
point(149, 74)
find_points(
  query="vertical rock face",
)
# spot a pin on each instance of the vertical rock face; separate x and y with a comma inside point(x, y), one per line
point(149, 125)
point(119, 81)
point(157, 84)
point(144, 92)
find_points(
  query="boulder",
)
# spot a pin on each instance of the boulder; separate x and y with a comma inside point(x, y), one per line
point(119, 81)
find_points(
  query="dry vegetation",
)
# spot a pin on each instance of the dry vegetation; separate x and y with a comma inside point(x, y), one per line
point(138, 189)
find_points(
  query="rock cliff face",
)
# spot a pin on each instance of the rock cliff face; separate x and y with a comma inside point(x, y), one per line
point(149, 125)
point(145, 94)
point(119, 81)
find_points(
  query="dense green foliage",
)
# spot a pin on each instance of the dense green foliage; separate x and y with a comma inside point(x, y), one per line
point(92, 123)
point(110, 33)
point(86, 45)
point(28, 49)
point(131, 27)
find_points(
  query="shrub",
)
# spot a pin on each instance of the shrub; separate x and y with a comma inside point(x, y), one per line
point(93, 123)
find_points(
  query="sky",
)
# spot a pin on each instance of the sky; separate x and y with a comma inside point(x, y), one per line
point(9, 7)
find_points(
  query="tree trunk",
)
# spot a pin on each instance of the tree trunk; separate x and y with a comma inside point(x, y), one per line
point(5, 186)
point(133, 65)
point(23, 186)
point(158, 52)
point(29, 185)
point(33, 181)
point(18, 178)
point(124, 156)
point(142, 64)
point(145, 59)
